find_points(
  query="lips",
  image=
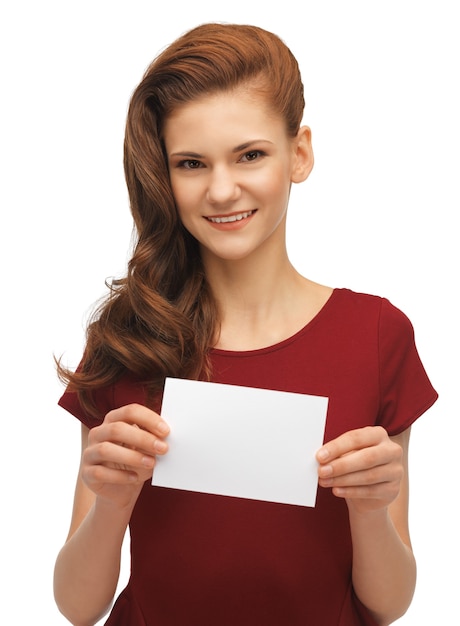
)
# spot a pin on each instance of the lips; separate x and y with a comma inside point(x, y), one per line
point(226, 219)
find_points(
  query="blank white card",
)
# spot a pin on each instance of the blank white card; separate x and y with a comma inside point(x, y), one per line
point(242, 442)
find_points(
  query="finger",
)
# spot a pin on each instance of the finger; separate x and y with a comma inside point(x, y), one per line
point(128, 435)
point(379, 475)
point(114, 455)
point(95, 476)
point(376, 461)
point(142, 416)
point(351, 441)
point(382, 493)
point(136, 437)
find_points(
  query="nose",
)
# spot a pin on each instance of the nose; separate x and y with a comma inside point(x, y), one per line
point(222, 186)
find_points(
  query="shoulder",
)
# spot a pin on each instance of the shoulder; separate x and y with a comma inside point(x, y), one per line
point(356, 299)
point(371, 321)
point(378, 308)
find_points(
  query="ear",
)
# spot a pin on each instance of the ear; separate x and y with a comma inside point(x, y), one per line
point(303, 156)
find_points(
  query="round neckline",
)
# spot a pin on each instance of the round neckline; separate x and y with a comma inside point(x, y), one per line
point(284, 342)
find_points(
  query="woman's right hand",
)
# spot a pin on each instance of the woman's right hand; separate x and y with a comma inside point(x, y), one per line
point(117, 458)
point(120, 455)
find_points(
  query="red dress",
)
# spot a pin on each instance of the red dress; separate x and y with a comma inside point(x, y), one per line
point(206, 560)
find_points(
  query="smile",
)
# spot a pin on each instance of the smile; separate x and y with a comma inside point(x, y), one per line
point(230, 218)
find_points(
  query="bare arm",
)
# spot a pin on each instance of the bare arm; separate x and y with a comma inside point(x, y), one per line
point(370, 470)
point(116, 460)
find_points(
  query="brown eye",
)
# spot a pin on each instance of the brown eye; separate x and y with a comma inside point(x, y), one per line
point(190, 164)
point(252, 155)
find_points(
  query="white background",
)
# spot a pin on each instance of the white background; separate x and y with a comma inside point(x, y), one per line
point(378, 214)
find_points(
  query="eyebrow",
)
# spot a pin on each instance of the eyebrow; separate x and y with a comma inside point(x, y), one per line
point(242, 146)
point(248, 144)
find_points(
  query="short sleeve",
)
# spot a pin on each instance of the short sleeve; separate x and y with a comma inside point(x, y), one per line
point(126, 390)
point(103, 400)
point(405, 389)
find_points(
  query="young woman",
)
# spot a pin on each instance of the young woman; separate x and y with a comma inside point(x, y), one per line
point(213, 144)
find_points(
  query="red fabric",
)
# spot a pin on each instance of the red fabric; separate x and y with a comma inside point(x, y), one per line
point(211, 560)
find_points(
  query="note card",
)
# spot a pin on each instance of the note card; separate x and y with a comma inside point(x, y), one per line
point(241, 441)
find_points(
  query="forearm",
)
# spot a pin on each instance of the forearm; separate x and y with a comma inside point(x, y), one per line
point(88, 566)
point(384, 569)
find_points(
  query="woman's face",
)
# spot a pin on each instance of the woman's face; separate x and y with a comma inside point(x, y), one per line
point(231, 166)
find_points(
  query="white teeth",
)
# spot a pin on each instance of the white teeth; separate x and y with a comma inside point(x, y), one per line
point(230, 218)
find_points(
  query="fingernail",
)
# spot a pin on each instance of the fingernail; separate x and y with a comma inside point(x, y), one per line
point(322, 455)
point(148, 461)
point(326, 471)
point(163, 427)
point(160, 446)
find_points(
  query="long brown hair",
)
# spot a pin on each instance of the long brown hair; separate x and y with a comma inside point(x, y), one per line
point(161, 319)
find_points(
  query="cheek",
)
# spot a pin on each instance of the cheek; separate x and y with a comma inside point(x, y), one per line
point(187, 205)
point(276, 185)
point(185, 192)
point(182, 196)
point(184, 212)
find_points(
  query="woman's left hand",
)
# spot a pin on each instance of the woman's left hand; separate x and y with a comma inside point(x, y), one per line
point(364, 466)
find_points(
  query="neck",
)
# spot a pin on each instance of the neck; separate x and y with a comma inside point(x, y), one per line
point(250, 288)
point(261, 300)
